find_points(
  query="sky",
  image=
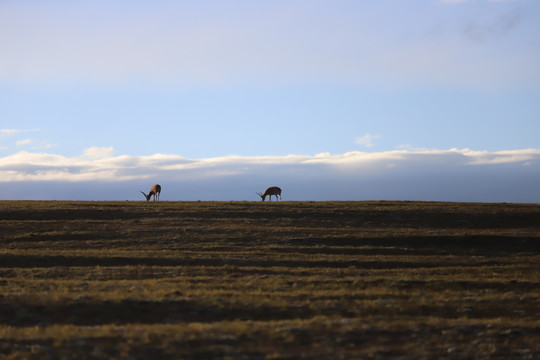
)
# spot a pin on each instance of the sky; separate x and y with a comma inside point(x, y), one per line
point(435, 100)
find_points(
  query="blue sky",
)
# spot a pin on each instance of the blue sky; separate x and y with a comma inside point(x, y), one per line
point(218, 99)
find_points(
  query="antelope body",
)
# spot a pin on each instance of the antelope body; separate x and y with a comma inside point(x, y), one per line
point(273, 190)
point(154, 190)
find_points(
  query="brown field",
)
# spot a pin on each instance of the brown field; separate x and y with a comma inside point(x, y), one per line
point(253, 280)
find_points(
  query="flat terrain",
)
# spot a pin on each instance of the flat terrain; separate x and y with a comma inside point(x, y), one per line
point(254, 280)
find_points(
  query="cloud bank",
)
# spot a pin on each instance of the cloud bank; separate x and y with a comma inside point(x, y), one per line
point(439, 175)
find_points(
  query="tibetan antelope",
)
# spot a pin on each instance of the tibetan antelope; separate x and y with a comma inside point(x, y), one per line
point(273, 190)
point(154, 190)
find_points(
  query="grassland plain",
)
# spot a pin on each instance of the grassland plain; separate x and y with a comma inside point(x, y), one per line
point(253, 280)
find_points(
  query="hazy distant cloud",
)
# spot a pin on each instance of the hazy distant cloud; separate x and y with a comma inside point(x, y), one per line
point(11, 132)
point(453, 175)
point(7, 133)
point(282, 43)
point(24, 142)
point(410, 147)
point(478, 31)
point(454, 1)
point(466, 1)
point(366, 140)
point(34, 144)
point(44, 145)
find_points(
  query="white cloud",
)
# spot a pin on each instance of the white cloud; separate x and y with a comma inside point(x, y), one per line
point(96, 161)
point(366, 140)
point(453, 175)
point(96, 152)
point(499, 157)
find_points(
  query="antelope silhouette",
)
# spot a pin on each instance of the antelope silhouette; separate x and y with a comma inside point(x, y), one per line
point(154, 190)
point(273, 190)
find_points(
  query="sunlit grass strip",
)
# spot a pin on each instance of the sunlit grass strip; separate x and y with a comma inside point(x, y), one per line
point(238, 327)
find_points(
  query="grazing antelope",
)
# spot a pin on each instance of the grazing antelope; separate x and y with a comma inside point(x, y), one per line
point(273, 190)
point(154, 190)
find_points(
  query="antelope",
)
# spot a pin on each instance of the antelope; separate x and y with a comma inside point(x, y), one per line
point(273, 190)
point(154, 190)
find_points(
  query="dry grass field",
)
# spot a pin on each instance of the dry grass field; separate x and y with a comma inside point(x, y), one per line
point(254, 280)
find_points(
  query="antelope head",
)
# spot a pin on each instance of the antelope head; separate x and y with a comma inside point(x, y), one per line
point(146, 196)
point(154, 190)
